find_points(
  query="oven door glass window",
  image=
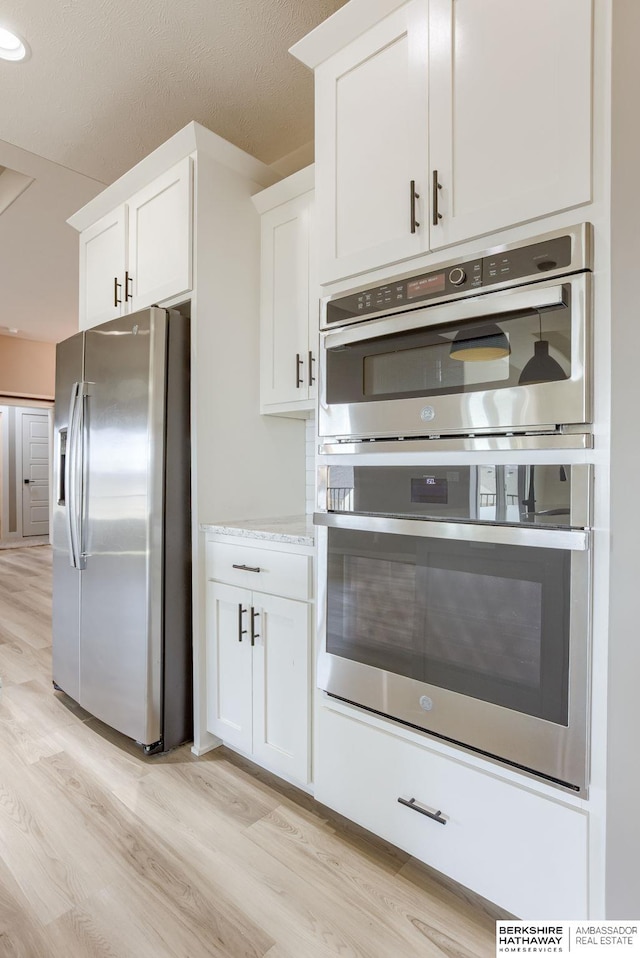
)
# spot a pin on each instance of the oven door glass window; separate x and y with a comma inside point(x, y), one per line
point(499, 352)
point(489, 621)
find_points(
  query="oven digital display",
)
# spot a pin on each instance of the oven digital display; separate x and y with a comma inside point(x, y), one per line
point(430, 489)
point(426, 285)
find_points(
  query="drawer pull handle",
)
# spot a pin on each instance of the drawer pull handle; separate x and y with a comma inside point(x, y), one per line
point(247, 568)
point(436, 816)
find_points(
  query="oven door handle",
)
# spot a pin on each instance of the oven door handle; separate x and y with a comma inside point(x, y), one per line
point(575, 540)
point(489, 306)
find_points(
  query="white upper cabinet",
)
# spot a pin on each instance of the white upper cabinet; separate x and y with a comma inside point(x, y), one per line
point(371, 146)
point(160, 231)
point(102, 269)
point(510, 111)
point(289, 296)
point(141, 253)
point(446, 120)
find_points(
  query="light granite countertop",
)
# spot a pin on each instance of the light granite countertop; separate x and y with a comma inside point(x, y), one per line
point(298, 530)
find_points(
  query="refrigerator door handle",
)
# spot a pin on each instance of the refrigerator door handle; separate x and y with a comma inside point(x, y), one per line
point(81, 471)
point(74, 468)
point(70, 473)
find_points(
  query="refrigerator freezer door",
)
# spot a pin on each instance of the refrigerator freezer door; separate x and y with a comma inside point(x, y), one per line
point(66, 579)
point(121, 603)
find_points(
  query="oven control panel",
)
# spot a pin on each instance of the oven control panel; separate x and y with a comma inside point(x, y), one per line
point(507, 265)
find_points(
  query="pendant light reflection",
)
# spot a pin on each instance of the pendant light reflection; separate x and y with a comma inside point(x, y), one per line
point(541, 368)
point(485, 344)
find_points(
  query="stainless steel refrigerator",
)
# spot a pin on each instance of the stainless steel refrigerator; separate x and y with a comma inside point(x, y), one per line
point(121, 526)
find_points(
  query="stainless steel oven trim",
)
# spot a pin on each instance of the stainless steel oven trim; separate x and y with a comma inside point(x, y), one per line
point(581, 487)
point(542, 296)
point(535, 747)
point(572, 539)
point(581, 259)
point(481, 443)
point(521, 408)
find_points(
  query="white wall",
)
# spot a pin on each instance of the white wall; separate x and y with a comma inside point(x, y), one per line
point(623, 770)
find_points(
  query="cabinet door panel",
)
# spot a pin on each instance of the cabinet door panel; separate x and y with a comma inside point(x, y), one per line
point(160, 238)
point(510, 111)
point(229, 678)
point(372, 109)
point(102, 264)
point(285, 302)
point(313, 305)
point(281, 685)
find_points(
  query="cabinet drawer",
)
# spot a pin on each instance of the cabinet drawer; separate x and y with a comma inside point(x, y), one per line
point(525, 852)
point(279, 573)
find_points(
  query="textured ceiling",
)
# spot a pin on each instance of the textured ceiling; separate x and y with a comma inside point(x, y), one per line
point(109, 80)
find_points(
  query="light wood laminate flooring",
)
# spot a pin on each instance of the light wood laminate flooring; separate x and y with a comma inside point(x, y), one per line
point(107, 854)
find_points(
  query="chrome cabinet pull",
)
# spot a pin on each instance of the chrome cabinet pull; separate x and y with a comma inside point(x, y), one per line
point(241, 631)
point(299, 363)
point(128, 279)
point(254, 635)
point(312, 360)
point(413, 197)
point(116, 287)
point(436, 816)
point(246, 568)
point(434, 198)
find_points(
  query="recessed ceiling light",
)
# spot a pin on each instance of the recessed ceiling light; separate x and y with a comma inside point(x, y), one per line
point(11, 46)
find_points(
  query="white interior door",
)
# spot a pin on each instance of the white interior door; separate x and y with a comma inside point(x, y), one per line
point(35, 474)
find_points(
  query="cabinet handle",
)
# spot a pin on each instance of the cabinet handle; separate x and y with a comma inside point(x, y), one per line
point(436, 816)
point(246, 568)
point(312, 360)
point(116, 287)
point(254, 635)
point(299, 363)
point(434, 198)
point(242, 631)
point(413, 196)
point(128, 279)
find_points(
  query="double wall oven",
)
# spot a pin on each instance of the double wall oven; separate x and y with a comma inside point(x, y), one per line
point(454, 503)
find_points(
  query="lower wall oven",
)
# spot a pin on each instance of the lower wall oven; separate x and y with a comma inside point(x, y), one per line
point(456, 600)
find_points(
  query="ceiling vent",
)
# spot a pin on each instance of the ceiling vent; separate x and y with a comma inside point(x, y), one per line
point(12, 184)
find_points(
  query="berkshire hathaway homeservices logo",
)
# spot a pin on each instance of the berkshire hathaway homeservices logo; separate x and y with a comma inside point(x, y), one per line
point(577, 938)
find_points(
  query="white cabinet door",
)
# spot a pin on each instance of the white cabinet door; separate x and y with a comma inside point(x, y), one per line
point(313, 307)
point(102, 269)
point(281, 685)
point(286, 370)
point(160, 238)
point(510, 111)
point(229, 664)
point(371, 119)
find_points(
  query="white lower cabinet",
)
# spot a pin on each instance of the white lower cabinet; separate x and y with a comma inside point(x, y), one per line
point(523, 851)
point(258, 658)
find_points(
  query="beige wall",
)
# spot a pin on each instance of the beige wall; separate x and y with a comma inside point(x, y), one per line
point(27, 368)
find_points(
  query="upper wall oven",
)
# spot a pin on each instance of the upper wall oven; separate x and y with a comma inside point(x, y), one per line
point(487, 346)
